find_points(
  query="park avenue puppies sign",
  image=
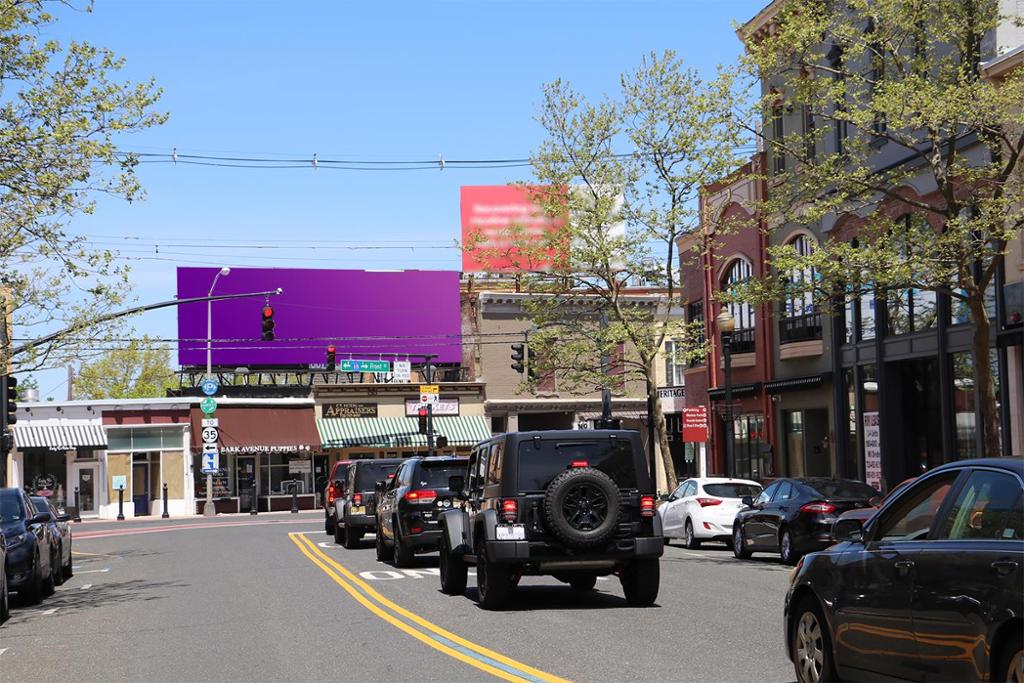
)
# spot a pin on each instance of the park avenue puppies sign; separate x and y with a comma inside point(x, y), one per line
point(494, 217)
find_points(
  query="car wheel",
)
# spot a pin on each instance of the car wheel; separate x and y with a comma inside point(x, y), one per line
point(454, 571)
point(33, 593)
point(583, 582)
point(339, 533)
point(384, 552)
point(69, 569)
point(352, 537)
point(691, 541)
point(1010, 666)
point(58, 567)
point(640, 581)
point(403, 553)
point(329, 525)
point(5, 597)
point(493, 581)
point(787, 552)
point(811, 645)
point(48, 582)
point(739, 546)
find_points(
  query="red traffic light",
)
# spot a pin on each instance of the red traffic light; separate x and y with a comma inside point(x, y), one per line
point(330, 349)
point(423, 412)
point(268, 312)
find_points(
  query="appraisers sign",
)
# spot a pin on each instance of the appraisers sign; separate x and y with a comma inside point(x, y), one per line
point(350, 410)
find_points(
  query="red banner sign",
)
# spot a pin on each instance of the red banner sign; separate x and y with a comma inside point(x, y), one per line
point(695, 424)
point(494, 218)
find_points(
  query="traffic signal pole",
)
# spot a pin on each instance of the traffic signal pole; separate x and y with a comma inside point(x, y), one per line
point(428, 371)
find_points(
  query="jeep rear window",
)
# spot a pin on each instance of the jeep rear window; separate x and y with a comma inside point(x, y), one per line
point(435, 475)
point(540, 461)
point(368, 474)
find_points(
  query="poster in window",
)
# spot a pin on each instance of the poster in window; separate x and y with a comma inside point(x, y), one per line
point(872, 450)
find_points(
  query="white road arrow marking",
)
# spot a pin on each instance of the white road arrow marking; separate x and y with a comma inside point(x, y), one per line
point(95, 571)
point(50, 611)
point(87, 586)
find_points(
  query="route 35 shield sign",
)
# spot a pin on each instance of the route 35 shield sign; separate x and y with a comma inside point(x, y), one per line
point(209, 435)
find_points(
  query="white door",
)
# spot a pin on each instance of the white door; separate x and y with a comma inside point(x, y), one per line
point(86, 478)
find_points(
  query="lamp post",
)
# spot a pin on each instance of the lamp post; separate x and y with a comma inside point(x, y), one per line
point(209, 509)
point(726, 325)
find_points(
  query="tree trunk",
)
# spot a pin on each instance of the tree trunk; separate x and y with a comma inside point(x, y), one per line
point(661, 433)
point(984, 380)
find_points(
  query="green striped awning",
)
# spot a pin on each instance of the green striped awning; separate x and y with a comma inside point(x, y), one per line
point(397, 432)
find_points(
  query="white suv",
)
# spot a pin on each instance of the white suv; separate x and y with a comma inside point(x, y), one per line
point(703, 509)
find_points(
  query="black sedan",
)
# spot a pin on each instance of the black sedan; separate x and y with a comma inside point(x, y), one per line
point(60, 534)
point(29, 551)
point(795, 516)
point(931, 588)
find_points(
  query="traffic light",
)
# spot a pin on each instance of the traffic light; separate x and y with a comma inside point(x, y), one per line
point(531, 365)
point(422, 414)
point(268, 323)
point(331, 363)
point(517, 358)
point(8, 416)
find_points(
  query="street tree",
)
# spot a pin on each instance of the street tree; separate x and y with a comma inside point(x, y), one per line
point(62, 109)
point(904, 79)
point(138, 370)
point(624, 172)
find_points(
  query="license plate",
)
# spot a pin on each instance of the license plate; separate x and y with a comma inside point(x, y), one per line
point(358, 510)
point(510, 532)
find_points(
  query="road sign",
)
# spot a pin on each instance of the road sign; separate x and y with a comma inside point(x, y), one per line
point(211, 422)
point(208, 405)
point(210, 435)
point(209, 386)
point(429, 394)
point(403, 371)
point(119, 481)
point(366, 366)
point(211, 462)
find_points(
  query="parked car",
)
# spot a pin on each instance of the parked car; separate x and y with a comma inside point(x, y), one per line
point(931, 588)
point(409, 508)
point(795, 516)
point(334, 490)
point(5, 593)
point(60, 532)
point(864, 514)
point(703, 509)
point(355, 512)
point(30, 553)
point(575, 505)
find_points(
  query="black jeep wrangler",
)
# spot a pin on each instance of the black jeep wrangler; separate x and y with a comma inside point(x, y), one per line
point(356, 512)
point(572, 504)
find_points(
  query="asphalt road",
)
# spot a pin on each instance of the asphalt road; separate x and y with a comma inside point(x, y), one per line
point(274, 599)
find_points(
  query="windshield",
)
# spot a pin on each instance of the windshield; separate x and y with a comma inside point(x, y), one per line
point(541, 461)
point(11, 506)
point(732, 490)
point(833, 488)
point(369, 473)
point(436, 475)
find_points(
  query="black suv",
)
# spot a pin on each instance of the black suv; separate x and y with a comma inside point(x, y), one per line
point(408, 510)
point(572, 504)
point(355, 512)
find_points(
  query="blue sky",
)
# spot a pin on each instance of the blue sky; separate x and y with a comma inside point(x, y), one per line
point(368, 81)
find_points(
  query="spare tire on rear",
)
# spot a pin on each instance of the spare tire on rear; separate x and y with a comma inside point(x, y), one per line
point(581, 507)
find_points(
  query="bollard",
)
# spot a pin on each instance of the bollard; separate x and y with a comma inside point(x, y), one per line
point(295, 498)
point(120, 504)
point(252, 499)
point(166, 514)
point(78, 507)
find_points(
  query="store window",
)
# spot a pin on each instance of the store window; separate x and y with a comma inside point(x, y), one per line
point(279, 471)
point(739, 272)
point(752, 460)
point(912, 309)
point(800, 319)
point(675, 364)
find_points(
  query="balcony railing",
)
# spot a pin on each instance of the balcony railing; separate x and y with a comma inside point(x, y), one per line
point(743, 341)
point(799, 328)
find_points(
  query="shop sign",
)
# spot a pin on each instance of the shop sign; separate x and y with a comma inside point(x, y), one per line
point(695, 424)
point(350, 410)
point(300, 466)
point(872, 450)
point(443, 406)
point(672, 399)
point(119, 481)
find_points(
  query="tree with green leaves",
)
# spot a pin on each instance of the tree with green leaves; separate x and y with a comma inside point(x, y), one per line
point(138, 370)
point(904, 140)
point(61, 112)
point(625, 172)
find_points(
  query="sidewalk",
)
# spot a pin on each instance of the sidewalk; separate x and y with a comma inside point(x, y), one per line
point(198, 518)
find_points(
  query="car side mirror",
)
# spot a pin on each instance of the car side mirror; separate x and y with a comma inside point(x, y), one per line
point(665, 496)
point(456, 483)
point(64, 517)
point(747, 500)
point(40, 518)
point(848, 530)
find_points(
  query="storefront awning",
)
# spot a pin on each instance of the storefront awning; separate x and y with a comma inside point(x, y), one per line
point(63, 437)
point(400, 432)
point(258, 429)
point(780, 385)
point(616, 414)
point(737, 390)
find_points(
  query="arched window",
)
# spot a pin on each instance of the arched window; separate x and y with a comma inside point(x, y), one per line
point(911, 309)
point(800, 319)
point(738, 272)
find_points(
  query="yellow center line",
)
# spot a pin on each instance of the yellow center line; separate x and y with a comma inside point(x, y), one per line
point(336, 571)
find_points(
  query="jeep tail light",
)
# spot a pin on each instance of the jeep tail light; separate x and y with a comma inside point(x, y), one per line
point(424, 496)
point(415, 530)
point(357, 499)
point(647, 506)
point(579, 463)
point(819, 508)
point(509, 510)
point(332, 493)
point(705, 502)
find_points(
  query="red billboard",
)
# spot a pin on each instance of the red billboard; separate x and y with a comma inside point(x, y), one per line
point(494, 218)
point(695, 424)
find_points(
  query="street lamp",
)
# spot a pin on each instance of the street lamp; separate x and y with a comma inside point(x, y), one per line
point(726, 325)
point(209, 509)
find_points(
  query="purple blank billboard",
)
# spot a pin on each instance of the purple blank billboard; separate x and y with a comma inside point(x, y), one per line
point(364, 314)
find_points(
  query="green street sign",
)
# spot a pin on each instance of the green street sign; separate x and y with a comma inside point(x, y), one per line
point(366, 366)
point(208, 405)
